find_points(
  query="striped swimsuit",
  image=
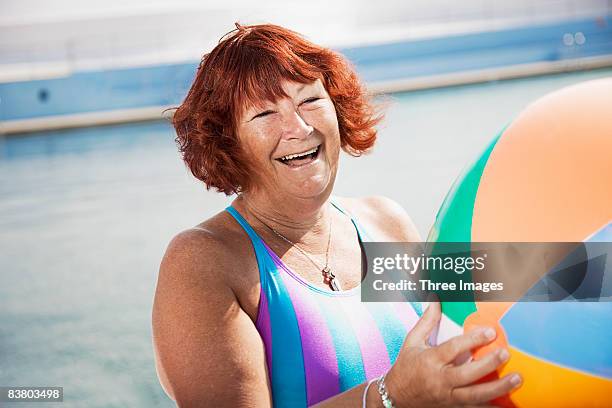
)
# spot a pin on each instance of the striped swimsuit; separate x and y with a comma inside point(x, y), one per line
point(320, 343)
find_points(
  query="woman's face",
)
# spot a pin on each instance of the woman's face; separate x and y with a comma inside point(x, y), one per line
point(294, 143)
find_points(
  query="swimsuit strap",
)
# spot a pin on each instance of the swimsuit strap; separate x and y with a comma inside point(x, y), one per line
point(264, 262)
point(361, 231)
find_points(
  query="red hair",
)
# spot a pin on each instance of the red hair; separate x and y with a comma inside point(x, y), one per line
point(246, 67)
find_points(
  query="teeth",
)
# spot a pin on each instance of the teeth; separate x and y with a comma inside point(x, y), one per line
point(293, 156)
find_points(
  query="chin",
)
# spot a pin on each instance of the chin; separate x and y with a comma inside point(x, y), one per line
point(315, 187)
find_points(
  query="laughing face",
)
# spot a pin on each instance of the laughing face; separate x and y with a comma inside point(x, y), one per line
point(293, 143)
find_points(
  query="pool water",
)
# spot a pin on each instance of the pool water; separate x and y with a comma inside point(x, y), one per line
point(85, 216)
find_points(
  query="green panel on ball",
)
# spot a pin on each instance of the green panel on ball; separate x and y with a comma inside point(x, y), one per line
point(454, 223)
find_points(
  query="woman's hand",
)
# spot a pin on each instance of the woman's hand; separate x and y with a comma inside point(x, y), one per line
point(425, 376)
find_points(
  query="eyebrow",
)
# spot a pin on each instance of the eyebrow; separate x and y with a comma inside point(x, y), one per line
point(298, 90)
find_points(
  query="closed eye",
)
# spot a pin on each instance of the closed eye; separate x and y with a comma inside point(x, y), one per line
point(310, 100)
point(262, 114)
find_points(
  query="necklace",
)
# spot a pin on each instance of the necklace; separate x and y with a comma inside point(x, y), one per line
point(328, 276)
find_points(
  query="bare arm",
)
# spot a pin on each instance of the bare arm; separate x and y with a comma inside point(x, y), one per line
point(208, 351)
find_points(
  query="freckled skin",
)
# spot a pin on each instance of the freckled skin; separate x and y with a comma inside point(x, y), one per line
point(292, 125)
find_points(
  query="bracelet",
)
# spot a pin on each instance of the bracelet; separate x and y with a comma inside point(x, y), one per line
point(365, 392)
point(382, 390)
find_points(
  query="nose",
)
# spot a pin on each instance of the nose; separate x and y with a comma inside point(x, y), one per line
point(294, 126)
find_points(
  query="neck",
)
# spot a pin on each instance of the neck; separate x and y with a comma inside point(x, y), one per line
point(303, 221)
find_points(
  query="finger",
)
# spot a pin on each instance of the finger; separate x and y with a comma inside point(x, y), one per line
point(485, 392)
point(449, 350)
point(476, 369)
point(419, 334)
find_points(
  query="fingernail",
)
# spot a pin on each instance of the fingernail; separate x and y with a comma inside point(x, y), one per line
point(515, 380)
point(503, 354)
point(489, 333)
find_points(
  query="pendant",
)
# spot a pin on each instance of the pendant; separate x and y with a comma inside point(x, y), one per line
point(334, 285)
point(330, 279)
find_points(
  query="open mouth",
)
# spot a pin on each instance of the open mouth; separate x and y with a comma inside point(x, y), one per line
point(300, 159)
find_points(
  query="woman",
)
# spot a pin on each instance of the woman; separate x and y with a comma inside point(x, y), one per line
point(259, 305)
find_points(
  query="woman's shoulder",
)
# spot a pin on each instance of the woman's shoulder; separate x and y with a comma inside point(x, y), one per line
point(209, 248)
point(385, 219)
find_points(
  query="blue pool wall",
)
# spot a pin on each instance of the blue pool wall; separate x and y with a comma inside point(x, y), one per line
point(163, 85)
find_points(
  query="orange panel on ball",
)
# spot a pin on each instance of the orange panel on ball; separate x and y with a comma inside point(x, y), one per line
point(548, 178)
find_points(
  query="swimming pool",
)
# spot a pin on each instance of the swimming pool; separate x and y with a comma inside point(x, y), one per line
point(85, 216)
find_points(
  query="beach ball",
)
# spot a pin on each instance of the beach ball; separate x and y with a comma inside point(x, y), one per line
point(546, 177)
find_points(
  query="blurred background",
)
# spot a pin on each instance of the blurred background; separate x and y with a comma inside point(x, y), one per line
point(92, 187)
